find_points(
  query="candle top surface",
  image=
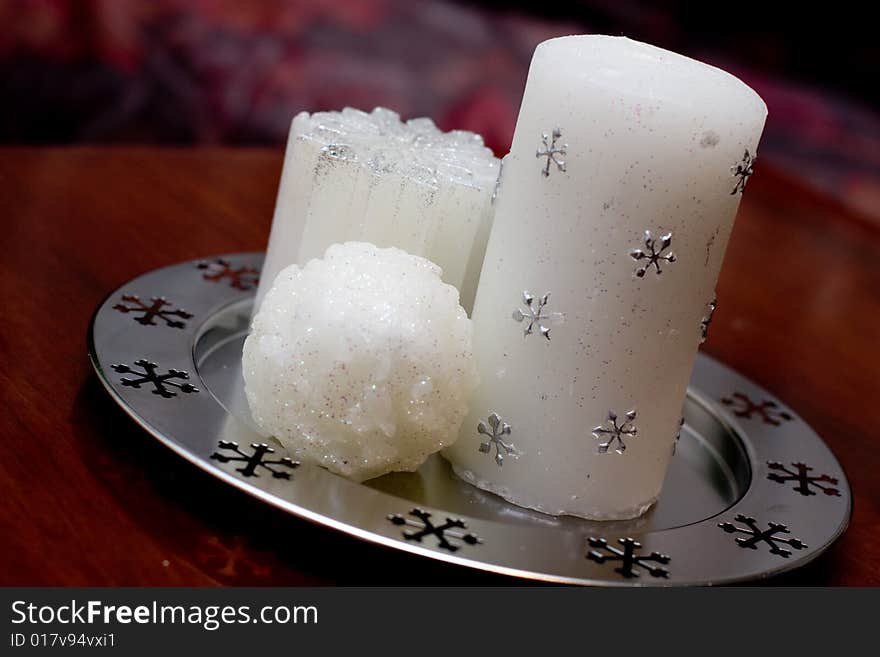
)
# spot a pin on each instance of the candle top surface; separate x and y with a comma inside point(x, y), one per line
point(639, 69)
point(416, 148)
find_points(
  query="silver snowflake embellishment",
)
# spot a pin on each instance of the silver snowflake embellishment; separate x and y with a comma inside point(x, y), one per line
point(613, 432)
point(534, 315)
point(742, 171)
point(704, 323)
point(495, 431)
point(551, 150)
point(652, 253)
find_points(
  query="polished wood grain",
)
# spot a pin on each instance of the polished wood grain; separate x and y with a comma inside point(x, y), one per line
point(89, 499)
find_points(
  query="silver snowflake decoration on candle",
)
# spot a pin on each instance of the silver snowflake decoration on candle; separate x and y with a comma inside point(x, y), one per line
point(615, 432)
point(704, 324)
point(495, 429)
point(533, 315)
point(551, 151)
point(653, 253)
point(742, 171)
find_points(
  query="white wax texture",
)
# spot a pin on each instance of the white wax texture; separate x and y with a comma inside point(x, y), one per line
point(350, 175)
point(361, 361)
point(650, 138)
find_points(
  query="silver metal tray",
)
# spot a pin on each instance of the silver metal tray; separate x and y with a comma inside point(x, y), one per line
point(751, 492)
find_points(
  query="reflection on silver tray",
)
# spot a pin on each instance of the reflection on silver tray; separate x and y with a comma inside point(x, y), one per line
point(752, 491)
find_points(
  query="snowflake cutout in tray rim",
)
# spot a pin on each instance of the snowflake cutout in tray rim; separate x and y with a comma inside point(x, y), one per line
point(534, 315)
point(551, 150)
point(495, 430)
point(629, 560)
point(615, 432)
point(769, 411)
point(742, 171)
point(756, 535)
point(149, 375)
point(448, 535)
point(803, 478)
point(255, 460)
point(152, 311)
point(243, 278)
point(653, 255)
point(704, 323)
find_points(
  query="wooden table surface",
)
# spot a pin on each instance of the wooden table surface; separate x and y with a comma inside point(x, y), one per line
point(90, 499)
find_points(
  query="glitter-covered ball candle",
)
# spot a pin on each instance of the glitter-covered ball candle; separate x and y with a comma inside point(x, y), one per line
point(360, 361)
point(353, 175)
point(615, 206)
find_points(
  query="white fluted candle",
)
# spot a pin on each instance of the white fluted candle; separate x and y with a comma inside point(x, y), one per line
point(614, 211)
point(351, 175)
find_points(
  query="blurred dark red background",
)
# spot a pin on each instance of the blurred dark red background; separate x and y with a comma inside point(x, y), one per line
point(235, 72)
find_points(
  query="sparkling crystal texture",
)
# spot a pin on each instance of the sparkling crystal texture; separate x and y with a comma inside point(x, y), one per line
point(353, 175)
point(361, 361)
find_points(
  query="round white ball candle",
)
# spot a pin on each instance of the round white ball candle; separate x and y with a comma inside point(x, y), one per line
point(360, 361)
point(614, 211)
point(351, 175)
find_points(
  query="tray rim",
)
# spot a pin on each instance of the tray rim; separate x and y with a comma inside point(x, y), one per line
point(252, 488)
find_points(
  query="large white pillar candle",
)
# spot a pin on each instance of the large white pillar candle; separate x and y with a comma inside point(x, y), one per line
point(612, 218)
point(350, 176)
